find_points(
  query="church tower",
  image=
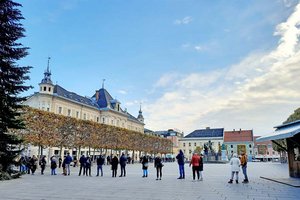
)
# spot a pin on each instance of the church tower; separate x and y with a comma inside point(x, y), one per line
point(46, 85)
point(140, 116)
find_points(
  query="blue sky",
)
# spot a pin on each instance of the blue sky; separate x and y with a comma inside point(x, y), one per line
point(192, 64)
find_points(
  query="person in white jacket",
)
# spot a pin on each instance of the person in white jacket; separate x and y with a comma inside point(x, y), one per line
point(235, 168)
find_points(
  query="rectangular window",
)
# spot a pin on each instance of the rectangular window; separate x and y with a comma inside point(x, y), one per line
point(184, 144)
point(56, 152)
point(297, 153)
point(69, 112)
point(77, 114)
point(189, 144)
point(45, 89)
point(97, 119)
point(48, 109)
point(195, 144)
point(84, 116)
point(231, 146)
point(49, 89)
point(103, 120)
point(59, 110)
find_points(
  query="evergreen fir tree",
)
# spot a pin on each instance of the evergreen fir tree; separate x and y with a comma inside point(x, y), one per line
point(12, 78)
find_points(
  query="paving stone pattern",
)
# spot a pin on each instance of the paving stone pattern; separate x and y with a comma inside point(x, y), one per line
point(133, 186)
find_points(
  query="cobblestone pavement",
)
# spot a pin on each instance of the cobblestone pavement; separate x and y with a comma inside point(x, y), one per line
point(133, 186)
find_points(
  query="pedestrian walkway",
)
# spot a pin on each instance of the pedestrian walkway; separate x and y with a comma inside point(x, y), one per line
point(133, 186)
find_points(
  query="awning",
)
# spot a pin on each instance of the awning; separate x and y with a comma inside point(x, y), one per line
point(280, 134)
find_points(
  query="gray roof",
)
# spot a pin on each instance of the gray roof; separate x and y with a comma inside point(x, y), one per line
point(105, 101)
point(214, 132)
point(60, 91)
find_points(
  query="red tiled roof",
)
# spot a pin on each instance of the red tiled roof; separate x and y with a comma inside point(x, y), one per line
point(238, 136)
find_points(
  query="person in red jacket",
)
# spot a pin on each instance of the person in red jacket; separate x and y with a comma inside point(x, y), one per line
point(195, 164)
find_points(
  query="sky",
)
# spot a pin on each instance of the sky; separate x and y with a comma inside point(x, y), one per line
point(191, 64)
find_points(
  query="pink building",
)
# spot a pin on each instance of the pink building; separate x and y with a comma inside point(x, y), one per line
point(264, 151)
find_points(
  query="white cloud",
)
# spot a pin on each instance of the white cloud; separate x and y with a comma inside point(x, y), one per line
point(185, 20)
point(122, 92)
point(258, 92)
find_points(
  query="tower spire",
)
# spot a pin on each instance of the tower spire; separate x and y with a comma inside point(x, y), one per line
point(103, 80)
point(47, 74)
point(48, 64)
point(140, 116)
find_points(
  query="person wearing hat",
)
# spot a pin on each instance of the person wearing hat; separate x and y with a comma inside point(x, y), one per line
point(235, 168)
point(195, 164)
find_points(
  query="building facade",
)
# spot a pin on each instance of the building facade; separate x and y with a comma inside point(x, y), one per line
point(174, 135)
point(100, 108)
point(238, 141)
point(198, 139)
point(263, 151)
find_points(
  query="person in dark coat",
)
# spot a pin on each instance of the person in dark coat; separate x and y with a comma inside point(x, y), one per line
point(123, 161)
point(59, 162)
point(53, 164)
point(43, 163)
point(33, 164)
point(100, 163)
point(88, 166)
point(201, 167)
point(145, 164)
point(63, 165)
point(158, 165)
point(82, 162)
point(68, 161)
point(180, 160)
point(114, 166)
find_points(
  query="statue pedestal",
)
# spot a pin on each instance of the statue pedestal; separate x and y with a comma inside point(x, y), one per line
point(223, 155)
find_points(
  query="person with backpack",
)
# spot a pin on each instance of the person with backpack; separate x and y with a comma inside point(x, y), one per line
point(180, 160)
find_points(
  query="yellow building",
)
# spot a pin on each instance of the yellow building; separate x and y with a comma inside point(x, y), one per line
point(101, 107)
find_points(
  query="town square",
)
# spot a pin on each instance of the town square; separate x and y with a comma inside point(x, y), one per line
point(149, 99)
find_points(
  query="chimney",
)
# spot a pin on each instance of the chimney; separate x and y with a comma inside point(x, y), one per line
point(97, 95)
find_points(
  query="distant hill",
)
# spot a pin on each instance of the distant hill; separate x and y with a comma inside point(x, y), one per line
point(293, 117)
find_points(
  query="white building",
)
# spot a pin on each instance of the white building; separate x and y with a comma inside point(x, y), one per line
point(101, 107)
point(198, 138)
